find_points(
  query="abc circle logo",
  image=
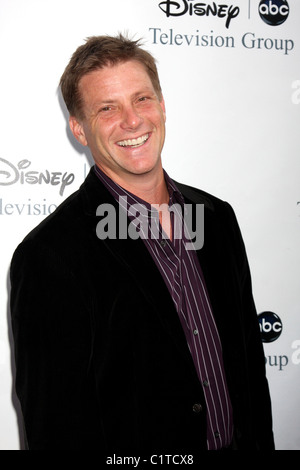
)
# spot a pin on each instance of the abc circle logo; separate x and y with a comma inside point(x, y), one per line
point(274, 12)
point(270, 326)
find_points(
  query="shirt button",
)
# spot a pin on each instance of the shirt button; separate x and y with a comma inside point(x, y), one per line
point(217, 434)
point(197, 408)
point(163, 242)
point(205, 383)
point(195, 332)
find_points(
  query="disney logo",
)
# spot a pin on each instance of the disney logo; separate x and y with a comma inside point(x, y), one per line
point(11, 174)
point(180, 8)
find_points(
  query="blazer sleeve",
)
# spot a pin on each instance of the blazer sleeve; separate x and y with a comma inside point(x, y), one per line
point(52, 336)
point(259, 394)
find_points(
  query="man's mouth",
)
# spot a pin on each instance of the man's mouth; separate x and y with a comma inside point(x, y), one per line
point(133, 143)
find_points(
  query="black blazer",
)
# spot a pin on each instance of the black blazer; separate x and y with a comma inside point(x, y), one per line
point(101, 359)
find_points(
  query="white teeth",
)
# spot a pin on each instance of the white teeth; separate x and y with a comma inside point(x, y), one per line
point(134, 142)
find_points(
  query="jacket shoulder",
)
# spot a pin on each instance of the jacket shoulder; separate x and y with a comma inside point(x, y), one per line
point(61, 219)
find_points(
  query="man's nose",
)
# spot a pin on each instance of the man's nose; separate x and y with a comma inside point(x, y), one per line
point(131, 119)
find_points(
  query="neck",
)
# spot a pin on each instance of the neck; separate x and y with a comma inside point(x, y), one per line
point(151, 186)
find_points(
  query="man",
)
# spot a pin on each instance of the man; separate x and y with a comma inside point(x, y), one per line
point(128, 341)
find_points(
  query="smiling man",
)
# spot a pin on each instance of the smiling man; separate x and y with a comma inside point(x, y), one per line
point(124, 126)
point(124, 121)
point(135, 345)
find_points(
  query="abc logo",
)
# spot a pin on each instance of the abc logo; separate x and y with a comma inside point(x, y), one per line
point(274, 12)
point(270, 326)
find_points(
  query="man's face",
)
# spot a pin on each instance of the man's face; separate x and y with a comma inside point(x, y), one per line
point(124, 120)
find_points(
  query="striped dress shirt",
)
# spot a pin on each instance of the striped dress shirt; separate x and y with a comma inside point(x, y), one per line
point(181, 271)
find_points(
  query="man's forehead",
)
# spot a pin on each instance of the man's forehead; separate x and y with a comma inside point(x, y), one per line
point(112, 69)
point(111, 80)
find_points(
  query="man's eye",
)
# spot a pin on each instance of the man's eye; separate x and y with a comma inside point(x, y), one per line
point(105, 109)
point(142, 99)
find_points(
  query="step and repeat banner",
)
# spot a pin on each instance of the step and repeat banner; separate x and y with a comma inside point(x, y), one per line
point(230, 73)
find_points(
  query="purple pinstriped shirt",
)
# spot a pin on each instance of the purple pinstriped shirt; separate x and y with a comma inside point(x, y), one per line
point(183, 276)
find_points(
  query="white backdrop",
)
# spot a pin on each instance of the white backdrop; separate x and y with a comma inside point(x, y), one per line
point(233, 116)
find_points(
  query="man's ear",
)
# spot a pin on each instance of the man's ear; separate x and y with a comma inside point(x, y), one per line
point(77, 130)
point(163, 107)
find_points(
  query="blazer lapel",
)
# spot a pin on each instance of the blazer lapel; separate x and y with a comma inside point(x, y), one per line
point(214, 261)
point(210, 254)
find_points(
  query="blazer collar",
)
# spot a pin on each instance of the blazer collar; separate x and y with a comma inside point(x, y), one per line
point(195, 196)
point(95, 193)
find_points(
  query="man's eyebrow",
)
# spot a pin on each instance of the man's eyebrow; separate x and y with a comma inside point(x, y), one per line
point(143, 91)
point(108, 101)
